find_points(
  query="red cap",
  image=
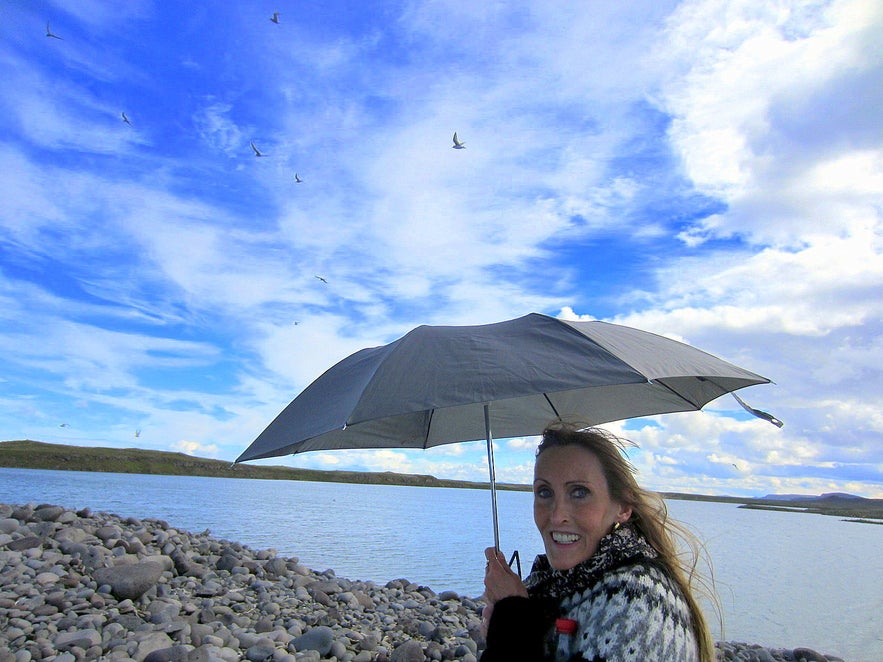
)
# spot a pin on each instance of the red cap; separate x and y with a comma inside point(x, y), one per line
point(565, 626)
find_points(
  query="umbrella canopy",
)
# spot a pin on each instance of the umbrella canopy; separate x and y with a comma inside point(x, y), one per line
point(445, 384)
point(430, 386)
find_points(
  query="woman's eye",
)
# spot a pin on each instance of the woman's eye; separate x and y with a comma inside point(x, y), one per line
point(542, 492)
point(579, 492)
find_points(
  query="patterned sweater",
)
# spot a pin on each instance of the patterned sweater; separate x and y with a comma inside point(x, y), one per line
point(635, 613)
point(626, 606)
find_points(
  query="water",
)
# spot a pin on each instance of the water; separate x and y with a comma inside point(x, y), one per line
point(783, 579)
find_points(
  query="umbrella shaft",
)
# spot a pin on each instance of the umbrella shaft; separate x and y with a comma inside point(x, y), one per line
point(490, 464)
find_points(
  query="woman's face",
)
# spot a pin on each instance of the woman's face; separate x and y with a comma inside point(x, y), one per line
point(572, 507)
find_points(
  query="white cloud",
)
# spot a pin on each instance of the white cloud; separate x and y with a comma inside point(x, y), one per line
point(217, 129)
point(196, 448)
point(742, 72)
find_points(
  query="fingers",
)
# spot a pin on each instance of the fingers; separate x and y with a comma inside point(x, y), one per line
point(493, 554)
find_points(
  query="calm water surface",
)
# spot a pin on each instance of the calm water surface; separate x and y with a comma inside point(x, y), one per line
point(783, 579)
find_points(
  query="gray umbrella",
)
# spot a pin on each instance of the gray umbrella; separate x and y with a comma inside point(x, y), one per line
point(445, 384)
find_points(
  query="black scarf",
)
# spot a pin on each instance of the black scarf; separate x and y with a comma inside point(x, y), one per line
point(619, 547)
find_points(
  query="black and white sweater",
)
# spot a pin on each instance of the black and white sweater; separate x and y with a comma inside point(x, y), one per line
point(627, 609)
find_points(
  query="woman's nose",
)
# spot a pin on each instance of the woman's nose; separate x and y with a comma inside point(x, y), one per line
point(560, 511)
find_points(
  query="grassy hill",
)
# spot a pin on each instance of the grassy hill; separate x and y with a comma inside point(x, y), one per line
point(26, 454)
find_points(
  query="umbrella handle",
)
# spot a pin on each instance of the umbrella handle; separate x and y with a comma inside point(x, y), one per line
point(517, 560)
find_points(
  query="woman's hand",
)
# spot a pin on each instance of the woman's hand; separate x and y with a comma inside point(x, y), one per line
point(499, 582)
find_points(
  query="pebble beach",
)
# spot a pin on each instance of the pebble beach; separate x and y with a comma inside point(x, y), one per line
point(82, 585)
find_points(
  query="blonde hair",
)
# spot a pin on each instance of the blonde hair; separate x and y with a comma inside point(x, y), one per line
point(649, 516)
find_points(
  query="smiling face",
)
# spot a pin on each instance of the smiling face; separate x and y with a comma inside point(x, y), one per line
point(572, 507)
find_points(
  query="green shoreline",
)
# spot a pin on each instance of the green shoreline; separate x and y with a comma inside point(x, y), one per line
point(27, 454)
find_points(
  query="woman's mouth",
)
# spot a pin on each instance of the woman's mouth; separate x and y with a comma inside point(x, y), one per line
point(564, 538)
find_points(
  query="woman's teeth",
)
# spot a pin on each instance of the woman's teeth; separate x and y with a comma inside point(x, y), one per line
point(564, 538)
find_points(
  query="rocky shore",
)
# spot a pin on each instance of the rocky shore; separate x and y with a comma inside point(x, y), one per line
point(78, 585)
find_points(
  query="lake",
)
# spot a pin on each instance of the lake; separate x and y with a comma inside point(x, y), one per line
point(783, 579)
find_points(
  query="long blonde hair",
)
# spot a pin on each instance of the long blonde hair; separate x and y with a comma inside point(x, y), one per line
point(649, 516)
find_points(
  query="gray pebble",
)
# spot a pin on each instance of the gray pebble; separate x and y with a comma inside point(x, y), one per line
point(408, 651)
point(317, 639)
point(172, 654)
point(808, 655)
point(129, 582)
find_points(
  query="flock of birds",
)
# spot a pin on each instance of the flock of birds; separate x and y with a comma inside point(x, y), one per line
point(458, 144)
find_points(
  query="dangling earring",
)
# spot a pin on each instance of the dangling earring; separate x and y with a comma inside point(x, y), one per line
point(616, 526)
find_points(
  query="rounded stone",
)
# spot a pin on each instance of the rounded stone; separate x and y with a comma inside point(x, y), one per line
point(408, 651)
point(21, 544)
point(129, 581)
point(48, 513)
point(8, 525)
point(317, 639)
point(808, 655)
point(260, 652)
point(171, 654)
point(79, 638)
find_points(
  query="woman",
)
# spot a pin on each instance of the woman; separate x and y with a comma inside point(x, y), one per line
point(611, 565)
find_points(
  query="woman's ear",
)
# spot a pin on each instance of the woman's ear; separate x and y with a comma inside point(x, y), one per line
point(624, 514)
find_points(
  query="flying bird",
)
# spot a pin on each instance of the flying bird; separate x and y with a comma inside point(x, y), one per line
point(257, 152)
point(49, 33)
point(126, 119)
point(63, 425)
point(458, 144)
point(137, 433)
point(275, 18)
point(297, 179)
point(322, 279)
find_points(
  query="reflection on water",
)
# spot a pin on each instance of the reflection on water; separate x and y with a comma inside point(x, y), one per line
point(784, 579)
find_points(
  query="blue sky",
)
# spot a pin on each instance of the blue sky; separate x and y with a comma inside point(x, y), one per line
point(707, 170)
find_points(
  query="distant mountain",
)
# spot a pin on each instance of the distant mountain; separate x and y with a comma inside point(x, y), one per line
point(840, 495)
point(839, 504)
point(811, 497)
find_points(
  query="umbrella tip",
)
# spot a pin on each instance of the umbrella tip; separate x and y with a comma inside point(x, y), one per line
point(759, 413)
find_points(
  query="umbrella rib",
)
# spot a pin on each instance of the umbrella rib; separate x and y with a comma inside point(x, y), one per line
point(685, 399)
point(428, 428)
point(554, 409)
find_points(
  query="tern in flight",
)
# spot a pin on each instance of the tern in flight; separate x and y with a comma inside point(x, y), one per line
point(458, 144)
point(322, 279)
point(257, 152)
point(49, 33)
point(297, 179)
point(126, 119)
point(137, 433)
point(275, 18)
